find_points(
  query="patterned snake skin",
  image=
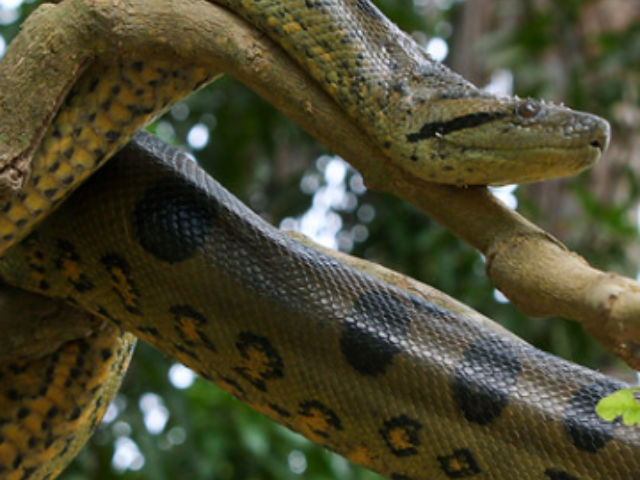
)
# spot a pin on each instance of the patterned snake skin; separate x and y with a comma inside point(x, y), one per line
point(162, 252)
point(387, 379)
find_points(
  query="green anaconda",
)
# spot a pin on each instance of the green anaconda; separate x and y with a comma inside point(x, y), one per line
point(387, 379)
point(435, 126)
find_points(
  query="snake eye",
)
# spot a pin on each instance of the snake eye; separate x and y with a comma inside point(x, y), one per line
point(528, 109)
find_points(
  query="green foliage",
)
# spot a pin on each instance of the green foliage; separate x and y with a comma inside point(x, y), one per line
point(624, 404)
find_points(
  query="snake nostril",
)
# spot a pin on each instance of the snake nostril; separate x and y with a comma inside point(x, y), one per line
point(600, 137)
point(597, 144)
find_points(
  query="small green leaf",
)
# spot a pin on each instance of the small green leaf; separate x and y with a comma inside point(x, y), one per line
point(623, 404)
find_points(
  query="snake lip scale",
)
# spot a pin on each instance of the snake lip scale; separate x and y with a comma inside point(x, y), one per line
point(159, 250)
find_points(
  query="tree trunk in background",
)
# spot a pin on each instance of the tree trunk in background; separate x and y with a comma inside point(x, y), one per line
point(612, 183)
point(472, 23)
point(570, 61)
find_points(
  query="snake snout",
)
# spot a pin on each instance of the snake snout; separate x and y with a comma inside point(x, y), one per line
point(600, 143)
point(600, 140)
point(601, 135)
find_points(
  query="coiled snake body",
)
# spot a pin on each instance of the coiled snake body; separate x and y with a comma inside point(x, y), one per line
point(160, 250)
point(387, 379)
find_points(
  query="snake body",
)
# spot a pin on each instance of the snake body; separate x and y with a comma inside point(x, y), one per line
point(425, 377)
point(51, 404)
point(431, 121)
point(387, 379)
point(106, 106)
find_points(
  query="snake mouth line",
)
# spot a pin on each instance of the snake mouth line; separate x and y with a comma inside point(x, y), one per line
point(515, 150)
point(441, 130)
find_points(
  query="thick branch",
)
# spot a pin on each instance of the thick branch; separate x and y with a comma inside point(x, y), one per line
point(533, 269)
point(33, 326)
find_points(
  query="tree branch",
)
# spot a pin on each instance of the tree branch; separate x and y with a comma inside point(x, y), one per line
point(33, 325)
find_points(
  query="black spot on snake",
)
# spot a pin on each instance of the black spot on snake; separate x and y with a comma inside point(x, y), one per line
point(75, 414)
point(233, 387)
point(373, 330)
point(401, 435)
point(53, 412)
point(138, 110)
point(483, 380)
point(173, 220)
point(92, 87)
point(103, 312)
point(283, 412)
point(440, 129)
point(586, 430)
point(13, 394)
point(98, 153)
point(320, 418)
point(66, 181)
point(28, 473)
point(315, 4)
point(122, 282)
point(68, 261)
point(69, 152)
point(260, 363)
point(201, 83)
point(151, 331)
point(460, 464)
point(179, 348)
point(112, 136)
point(553, 474)
point(189, 323)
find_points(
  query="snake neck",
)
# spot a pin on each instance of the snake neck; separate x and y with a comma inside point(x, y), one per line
point(427, 119)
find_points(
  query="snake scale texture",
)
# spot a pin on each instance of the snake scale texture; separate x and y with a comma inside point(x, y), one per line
point(383, 377)
point(159, 250)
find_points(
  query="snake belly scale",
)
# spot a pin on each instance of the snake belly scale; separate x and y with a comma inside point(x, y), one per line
point(387, 379)
point(437, 127)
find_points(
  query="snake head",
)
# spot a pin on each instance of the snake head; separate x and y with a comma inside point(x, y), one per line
point(479, 138)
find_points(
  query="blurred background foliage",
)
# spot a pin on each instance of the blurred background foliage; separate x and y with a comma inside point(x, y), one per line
point(167, 425)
